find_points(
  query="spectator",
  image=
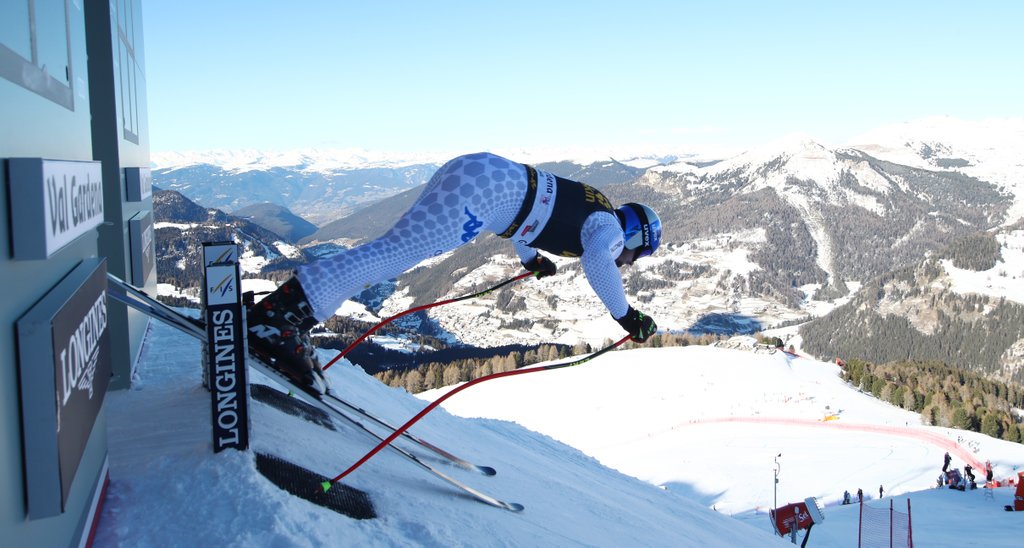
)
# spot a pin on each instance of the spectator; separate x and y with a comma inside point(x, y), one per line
point(945, 461)
point(970, 472)
point(860, 495)
point(846, 497)
point(880, 491)
point(988, 470)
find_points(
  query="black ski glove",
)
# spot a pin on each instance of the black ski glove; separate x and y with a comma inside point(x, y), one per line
point(541, 266)
point(639, 325)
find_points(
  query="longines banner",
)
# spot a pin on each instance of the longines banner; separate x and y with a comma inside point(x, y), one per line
point(225, 334)
point(142, 251)
point(64, 364)
point(215, 252)
point(52, 202)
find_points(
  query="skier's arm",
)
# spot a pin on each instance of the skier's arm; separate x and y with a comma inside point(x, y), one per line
point(526, 253)
point(602, 243)
point(539, 264)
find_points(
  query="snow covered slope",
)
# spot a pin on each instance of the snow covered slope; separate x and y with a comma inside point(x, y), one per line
point(704, 423)
point(708, 422)
point(1005, 279)
point(169, 489)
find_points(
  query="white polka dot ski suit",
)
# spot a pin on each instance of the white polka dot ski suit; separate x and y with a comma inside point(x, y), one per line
point(467, 194)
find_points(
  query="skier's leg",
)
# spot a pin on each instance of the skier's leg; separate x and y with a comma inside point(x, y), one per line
point(467, 195)
point(278, 329)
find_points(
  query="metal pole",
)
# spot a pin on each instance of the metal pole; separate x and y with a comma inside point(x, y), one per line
point(890, 523)
point(777, 469)
point(910, 526)
point(860, 522)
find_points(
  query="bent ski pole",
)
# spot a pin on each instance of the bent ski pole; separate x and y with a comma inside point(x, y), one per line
point(327, 484)
point(423, 307)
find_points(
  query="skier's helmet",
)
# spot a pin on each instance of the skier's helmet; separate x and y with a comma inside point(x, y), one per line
point(641, 228)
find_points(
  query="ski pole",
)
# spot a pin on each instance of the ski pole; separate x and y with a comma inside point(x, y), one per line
point(327, 484)
point(423, 307)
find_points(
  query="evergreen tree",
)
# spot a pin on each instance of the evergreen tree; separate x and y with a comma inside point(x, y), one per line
point(990, 426)
point(452, 375)
point(413, 381)
point(877, 386)
point(1012, 433)
point(930, 415)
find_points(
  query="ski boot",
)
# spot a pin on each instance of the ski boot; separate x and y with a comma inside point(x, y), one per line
point(279, 334)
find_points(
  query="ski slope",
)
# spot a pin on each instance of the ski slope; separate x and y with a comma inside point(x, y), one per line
point(647, 447)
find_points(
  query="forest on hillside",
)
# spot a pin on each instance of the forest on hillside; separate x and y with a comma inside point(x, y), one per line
point(944, 395)
point(436, 374)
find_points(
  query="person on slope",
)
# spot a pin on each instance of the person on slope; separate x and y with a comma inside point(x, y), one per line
point(534, 209)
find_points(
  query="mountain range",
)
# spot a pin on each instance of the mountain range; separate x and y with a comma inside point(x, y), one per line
point(182, 226)
point(319, 196)
point(779, 234)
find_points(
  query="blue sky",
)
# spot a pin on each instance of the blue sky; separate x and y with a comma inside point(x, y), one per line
point(462, 75)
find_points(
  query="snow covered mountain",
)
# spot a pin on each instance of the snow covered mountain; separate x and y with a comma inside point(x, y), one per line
point(773, 236)
point(990, 150)
point(326, 185)
point(182, 226)
point(316, 193)
point(963, 305)
point(323, 161)
point(863, 215)
point(752, 241)
point(331, 160)
point(655, 446)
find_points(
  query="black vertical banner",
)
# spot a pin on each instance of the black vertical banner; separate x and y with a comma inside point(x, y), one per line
point(214, 252)
point(64, 372)
point(225, 332)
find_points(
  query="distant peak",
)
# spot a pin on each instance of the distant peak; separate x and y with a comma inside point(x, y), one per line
point(314, 159)
point(795, 144)
point(793, 147)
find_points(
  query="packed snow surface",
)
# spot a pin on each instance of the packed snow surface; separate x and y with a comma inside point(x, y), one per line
point(644, 447)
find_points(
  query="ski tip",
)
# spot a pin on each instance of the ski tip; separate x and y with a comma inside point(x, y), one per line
point(326, 485)
point(486, 470)
point(515, 507)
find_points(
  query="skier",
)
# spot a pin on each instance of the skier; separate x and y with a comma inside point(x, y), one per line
point(471, 193)
point(945, 461)
point(969, 470)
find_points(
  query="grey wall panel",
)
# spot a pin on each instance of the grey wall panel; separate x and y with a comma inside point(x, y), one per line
point(82, 56)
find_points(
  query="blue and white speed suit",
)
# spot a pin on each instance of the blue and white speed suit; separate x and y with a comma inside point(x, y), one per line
point(471, 193)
